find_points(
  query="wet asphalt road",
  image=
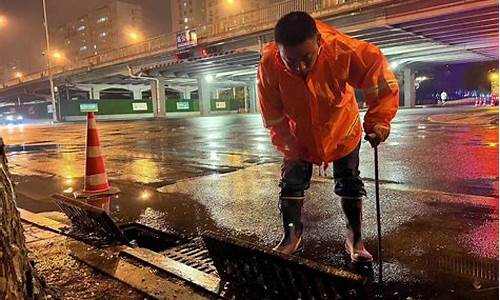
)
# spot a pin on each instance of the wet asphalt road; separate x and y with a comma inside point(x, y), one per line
point(439, 192)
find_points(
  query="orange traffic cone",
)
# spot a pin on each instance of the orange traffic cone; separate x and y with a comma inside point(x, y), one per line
point(96, 179)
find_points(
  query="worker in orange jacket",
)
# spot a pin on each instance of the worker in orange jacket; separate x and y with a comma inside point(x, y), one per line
point(306, 81)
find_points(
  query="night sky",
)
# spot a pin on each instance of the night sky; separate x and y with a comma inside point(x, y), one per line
point(23, 38)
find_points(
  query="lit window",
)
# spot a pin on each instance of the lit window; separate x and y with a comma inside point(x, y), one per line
point(81, 28)
point(103, 34)
point(68, 42)
point(95, 46)
point(83, 48)
point(185, 4)
point(102, 19)
point(186, 27)
point(186, 20)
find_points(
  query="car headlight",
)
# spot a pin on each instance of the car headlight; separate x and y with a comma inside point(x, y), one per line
point(19, 117)
point(9, 118)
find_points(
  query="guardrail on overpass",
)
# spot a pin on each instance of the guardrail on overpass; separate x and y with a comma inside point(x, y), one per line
point(248, 22)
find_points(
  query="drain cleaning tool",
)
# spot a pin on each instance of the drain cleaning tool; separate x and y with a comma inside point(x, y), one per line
point(372, 138)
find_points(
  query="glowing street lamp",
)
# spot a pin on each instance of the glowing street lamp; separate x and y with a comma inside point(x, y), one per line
point(57, 55)
point(494, 76)
point(59, 58)
point(134, 36)
point(3, 21)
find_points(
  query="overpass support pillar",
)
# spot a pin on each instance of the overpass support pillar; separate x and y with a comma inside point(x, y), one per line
point(204, 93)
point(95, 93)
point(409, 88)
point(252, 91)
point(187, 93)
point(137, 94)
point(158, 96)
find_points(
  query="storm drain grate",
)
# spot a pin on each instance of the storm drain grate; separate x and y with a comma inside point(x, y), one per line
point(465, 266)
point(248, 271)
point(193, 254)
point(89, 223)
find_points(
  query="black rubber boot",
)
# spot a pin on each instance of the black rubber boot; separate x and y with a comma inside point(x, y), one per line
point(291, 212)
point(354, 244)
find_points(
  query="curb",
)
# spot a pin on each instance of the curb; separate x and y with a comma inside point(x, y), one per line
point(110, 262)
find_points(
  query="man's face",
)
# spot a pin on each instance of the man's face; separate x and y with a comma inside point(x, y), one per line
point(300, 59)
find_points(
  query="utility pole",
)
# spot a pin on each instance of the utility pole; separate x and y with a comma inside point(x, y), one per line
point(49, 71)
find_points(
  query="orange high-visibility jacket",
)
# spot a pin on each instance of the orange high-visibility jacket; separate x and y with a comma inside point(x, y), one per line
point(317, 118)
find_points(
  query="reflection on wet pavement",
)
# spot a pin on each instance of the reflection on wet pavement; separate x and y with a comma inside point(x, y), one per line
point(439, 191)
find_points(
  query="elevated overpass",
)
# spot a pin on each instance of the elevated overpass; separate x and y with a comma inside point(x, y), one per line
point(411, 33)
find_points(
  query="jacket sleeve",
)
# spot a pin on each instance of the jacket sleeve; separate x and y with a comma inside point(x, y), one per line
point(370, 72)
point(273, 115)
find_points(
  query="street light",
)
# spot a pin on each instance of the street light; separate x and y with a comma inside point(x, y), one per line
point(3, 21)
point(57, 55)
point(494, 76)
point(134, 36)
point(231, 6)
point(18, 75)
point(49, 71)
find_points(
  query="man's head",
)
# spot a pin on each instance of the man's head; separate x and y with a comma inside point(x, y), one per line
point(298, 41)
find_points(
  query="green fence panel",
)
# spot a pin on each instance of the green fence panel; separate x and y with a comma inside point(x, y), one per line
point(107, 107)
point(182, 105)
point(225, 104)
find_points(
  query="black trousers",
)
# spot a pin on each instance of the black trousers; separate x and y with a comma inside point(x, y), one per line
point(296, 176)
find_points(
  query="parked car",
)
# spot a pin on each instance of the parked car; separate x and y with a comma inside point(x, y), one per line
point(11, 118)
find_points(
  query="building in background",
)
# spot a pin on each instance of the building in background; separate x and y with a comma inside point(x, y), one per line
point(188, 14)
point(108, 27)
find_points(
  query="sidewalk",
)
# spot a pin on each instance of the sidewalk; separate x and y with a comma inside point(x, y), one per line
point(58, 260)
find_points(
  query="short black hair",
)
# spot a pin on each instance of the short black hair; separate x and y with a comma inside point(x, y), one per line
point(294, 28)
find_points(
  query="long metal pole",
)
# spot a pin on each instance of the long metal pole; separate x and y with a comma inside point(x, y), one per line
point(379, 230)
point(374, 143)
point(49, 71)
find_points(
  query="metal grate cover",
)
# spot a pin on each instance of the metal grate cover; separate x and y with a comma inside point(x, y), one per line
point(254, 272)
point(193, 254)
point(90, 223)
point(464, 266)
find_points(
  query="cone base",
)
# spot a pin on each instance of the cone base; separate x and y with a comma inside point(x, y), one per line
point(84, 194)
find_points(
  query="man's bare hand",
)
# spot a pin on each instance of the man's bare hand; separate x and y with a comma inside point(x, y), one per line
point(378, 135)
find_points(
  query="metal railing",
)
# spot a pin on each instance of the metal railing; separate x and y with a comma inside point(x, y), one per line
point(248, 22)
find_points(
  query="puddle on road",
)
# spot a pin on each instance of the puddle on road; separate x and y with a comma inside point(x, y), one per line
point(43, 148)
point(165, 212)
point(480, 186)
point(414, 268)
point(218, 169)
point(262, 160)
point(31, 148)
